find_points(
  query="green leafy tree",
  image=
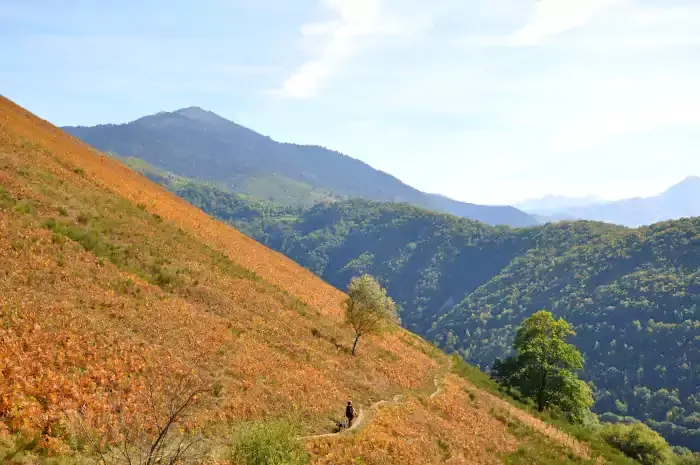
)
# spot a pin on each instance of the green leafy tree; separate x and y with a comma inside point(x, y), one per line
point(368, 308)
point(545, 365)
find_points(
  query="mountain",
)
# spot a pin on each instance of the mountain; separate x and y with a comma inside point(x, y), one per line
point(632, 294)
point(679, 201)
point(553, 203)
point(118, 300)
point(199, 144)
point(552, 218)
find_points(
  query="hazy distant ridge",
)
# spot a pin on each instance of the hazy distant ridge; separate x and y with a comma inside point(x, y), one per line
point(681, 200)
point(199, 144)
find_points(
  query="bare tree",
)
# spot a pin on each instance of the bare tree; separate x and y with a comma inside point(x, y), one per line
point(368, 308)
point(152, 433)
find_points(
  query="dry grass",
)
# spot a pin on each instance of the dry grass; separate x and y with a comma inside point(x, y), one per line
point(109, 173)
point(445, 429)
point(461, 425)
point(553, 434)
point(107, 279)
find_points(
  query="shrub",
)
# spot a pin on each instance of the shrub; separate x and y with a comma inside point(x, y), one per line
point(6, 200)
point(155, 433)
point(24, 206)
point(269, 443)
point(83, 218)
point(217, 388)
point(638, 442)
point(688, 458)
point(163, 276)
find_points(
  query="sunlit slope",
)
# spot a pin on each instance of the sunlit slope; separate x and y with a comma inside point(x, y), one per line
point(112, 175)
point(107, 280)
point(91, 248)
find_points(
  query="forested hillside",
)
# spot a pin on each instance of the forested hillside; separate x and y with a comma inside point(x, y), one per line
point(633, 297)
point(135, 328)
point(632, 294)
point(199, 144)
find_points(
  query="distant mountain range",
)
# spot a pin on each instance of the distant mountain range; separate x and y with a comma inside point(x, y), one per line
point(679, 201)
point(550, 204)
point(199, 144)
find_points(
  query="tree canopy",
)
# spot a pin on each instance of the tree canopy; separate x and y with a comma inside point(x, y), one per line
point(545, 366)
point(368, 308)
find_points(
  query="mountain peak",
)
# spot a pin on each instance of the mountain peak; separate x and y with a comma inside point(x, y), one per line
point(552, 203)
point(684, 190)
point(199, 114)
point(690, 182)
point(695, 180)
point(192, 116)
point(193, 110)
point(193, 142)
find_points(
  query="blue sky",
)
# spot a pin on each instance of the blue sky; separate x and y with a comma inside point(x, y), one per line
point(487, 101)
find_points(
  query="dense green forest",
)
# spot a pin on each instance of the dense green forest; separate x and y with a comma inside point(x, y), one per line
point(631, 294)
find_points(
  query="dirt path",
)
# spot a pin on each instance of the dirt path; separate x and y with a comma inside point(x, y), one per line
point(360, 420)
point(438, 383)
point(579, 448)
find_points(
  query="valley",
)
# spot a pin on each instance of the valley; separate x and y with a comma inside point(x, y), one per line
point(116, 294)
point(350, 232)
point(632, 294)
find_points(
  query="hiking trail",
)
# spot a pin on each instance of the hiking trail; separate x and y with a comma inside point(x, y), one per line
point(580, 449)
point(359, 421)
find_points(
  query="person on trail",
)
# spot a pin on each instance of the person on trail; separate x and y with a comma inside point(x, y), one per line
point(350, 413)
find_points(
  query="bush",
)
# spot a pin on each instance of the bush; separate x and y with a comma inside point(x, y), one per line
point(269, 443)
point(638, 442)
point(688, 459)
point(6, 200)
point(25, 207)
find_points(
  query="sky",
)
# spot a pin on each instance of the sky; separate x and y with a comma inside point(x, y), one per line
point(485, 101)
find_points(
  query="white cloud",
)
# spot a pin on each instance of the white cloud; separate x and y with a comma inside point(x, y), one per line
point(552, 17)
point(581, 108)
point(356, 18)
point(336, 40)
point(592, 133)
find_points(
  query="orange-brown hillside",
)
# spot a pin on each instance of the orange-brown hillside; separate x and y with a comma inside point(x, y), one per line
point(109, 283)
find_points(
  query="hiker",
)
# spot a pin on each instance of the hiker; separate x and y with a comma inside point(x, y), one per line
point(350, 413)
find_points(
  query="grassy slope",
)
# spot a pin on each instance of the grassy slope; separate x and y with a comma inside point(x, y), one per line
point(105, 277)
point(282, 190)
point(273, 188)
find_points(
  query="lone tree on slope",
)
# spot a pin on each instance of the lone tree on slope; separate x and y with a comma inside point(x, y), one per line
point(368, 308)
point(545, 367)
